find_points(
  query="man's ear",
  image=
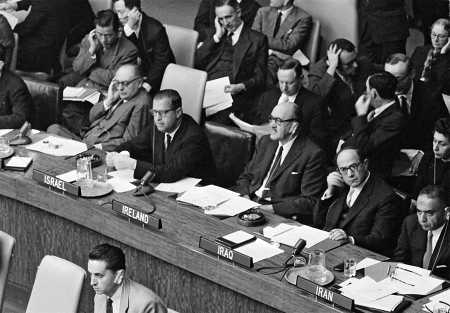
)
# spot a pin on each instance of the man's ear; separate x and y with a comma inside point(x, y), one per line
point(179, 112)
point(119, 276)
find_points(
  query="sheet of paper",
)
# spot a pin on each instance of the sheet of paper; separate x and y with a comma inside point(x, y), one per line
point(120, 185)
point(35, 131)
point(290, 234)
point(207, 196)
point(58, 146)
point(5, 131)
point(388, 303)
point(440, 297)
point(126, 175)
point(259, 250)
point(69, 177)
point(17, 161)
point(179, 186)
point(366, 262)
point(72, 92)
point(368, 290)
point(232, 207)
point(12, 20)
point(93, 98)
point(238, 236)
point(411, 284)
point(217, 108)
point(216, 99)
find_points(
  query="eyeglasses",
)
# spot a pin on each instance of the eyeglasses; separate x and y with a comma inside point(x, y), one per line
point(278, 121)
point(352, 167)
point(439, 36)
point(161, 113)
point(125, 83)
point(428, 213)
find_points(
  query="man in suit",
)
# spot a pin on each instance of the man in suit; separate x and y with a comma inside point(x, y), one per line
point(204, 20)
point(120, 117)
point(287, 171)
point(378, 131)
point(114, 292)
point(425, 239)
point(383, 28)
point(235, 51)
point(149, 36)
point(287, 28)
point(15, 100)
point(41, 34)
point(421, 105)
point(340, 78)
point(290, 89)
point(173, 147)
point(358, 206)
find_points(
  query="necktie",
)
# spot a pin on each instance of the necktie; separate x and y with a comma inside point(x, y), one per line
point(277, 24)
point(109, 308)
point(404, 104)
point(284, 98)
point(276, 163)
point(428, 251)
point(229, 38)
point(168, 140)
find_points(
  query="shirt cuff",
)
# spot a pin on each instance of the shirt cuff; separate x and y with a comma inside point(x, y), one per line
point(351, 240)
point(216, 39)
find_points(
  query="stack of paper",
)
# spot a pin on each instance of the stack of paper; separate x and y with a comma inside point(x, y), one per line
point(216, 99)
point(441, 298)
point(81, 94)
point(179, 186)
point(58, 146)
point(289, 234)
point(411, 280)
point(259, 250)
point(121, 180)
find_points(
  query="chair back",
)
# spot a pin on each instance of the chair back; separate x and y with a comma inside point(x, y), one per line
point(190, 84)
point(13, 64)
point(47, 98)
point(57, 287)
point(183, 42)
point(313, 44)
point(7, 243)
point(99, 5)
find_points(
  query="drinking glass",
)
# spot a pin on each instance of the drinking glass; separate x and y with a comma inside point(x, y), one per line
point(349, 267)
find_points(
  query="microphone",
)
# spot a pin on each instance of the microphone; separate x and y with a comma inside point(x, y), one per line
point(22, 138)
point(143, 188)
point(298, 247)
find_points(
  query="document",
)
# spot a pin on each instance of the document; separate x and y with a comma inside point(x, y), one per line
point(388, 303)
point(81, 94)
point(367, 290)
point(216, 99)
point(238, 236)
point(69, 177)
point(442, 298)
point(179, 186)
point(58, 146)
point(120, 185)
point(207, 196)
point(259, 250)
point(126, 175)
point(232, 207)
point(18, 162)
point(5, 131)
point(289, 234)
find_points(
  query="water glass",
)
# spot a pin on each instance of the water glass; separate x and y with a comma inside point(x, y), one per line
point(84, 169)
point(349, 267)
point(4, 145)
point(317, 258)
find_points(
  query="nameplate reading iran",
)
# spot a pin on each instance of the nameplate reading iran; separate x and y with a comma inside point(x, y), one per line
point(225, 253)
point(137, 215)
point(325, 293)
point(56, 183)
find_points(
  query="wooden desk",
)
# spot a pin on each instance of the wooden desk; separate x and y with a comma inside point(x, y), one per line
point(167, 261)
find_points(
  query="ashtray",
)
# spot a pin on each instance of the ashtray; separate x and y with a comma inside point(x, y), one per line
point(96, 160)
point(252, 217)
point(318, 275)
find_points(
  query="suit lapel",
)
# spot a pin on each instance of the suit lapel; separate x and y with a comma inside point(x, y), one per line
point(175, 140)
point(290, 20)
point(273, 13)
point(291, 157)
point(438, 244)
point(125, 297)
point(240, 49)
point(116, 115)
point(360, 202)
point(266, 162)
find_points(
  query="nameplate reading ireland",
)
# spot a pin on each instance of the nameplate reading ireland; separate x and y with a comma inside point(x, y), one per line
point(225, 253)
point(56, 183)
point(325, 294)
point(136, 215)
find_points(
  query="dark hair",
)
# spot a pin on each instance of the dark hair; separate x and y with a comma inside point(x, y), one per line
point(361, 154)
point(442, 126)
point(2, 53)
point(435, 192)
point(343, 44)
point(384, 83)
point(292, 64)
point(173, 95)
point(107, 18)
point(232, 3)
point(113, 256)
point(131, 3)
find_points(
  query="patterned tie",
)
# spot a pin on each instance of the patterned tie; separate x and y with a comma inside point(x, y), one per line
point(275, 165)
point(428, 251)
point(109, 308)
point(277, 24)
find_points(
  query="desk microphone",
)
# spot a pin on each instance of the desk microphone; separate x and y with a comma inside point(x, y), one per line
point(298, 247)
point(22, 138)
point(143, 188)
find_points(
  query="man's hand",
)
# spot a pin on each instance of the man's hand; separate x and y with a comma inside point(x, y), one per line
point(334, 180)
point(112, 96)
point(333, 59)
point(267, 208)
point(133, 18)
point(219, 29)
point(362, 105)
point(234, 88)
point(93, 42)
point(338, 234)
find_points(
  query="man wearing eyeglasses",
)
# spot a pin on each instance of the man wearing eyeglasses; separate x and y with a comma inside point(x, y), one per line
point(358, 206)
point(287, 172)
point(120, 117)
point(425, 240)
point(173, 147)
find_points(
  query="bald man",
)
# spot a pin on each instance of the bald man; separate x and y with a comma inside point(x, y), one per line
point(286, 174)
point(120, 117)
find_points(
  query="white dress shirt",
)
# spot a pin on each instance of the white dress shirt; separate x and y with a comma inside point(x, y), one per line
point(128, 30)
point(116, 299)
point(284, 14)
point(354, 192)
point(285, 98)
point(171, 134)
point(436, 234)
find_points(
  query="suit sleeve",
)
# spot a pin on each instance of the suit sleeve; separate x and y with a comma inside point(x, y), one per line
point(139, 146)
point(37, 16)
point(295, 39)
point(259, 72)
point(83, 61)
point(97, 111)
point(204, 54)
point(202, 19)
point(312, 184)
point(320, 82)
point(402, 252)
point(21, 109)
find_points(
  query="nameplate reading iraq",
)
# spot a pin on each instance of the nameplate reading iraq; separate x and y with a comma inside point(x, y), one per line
point(225, 253)
point(56, 183)
point(136, 215)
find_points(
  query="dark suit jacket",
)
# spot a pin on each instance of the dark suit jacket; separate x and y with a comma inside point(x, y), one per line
point(6, 39)
point(204, 20)
point(432, 171)
point(427, 106)
point(188, 154)
point(42, 34)
point(379, 139)
point(440, 70)
point(16, 105)
point(249, 64)
point(384, 20)
point(312, 110)
point(296, 185)
point(154, 50)
point(293, 32)
point(372, 220)
point(412, 244)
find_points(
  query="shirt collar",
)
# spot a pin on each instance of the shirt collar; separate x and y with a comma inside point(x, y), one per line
point(287, 146)
point(437, 232)
point(172, 133)
point(237, 34)
point(380, 109)
point(286, 12)
point(360, 187)
point(117, 294)
point(128, 30)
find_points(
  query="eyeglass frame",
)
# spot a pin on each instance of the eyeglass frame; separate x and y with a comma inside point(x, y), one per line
point(125, 83)
point(438, 36)
point(162, 113)
point(278, 121)
point(352, 167)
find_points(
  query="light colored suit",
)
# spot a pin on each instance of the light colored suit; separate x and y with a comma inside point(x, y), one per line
point(135, 298)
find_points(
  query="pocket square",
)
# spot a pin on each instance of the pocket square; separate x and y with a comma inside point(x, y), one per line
point(294, 173)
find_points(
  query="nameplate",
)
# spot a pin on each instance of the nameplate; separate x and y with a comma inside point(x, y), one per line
point(325, 294)
point(225, 253)
point(137, 215)
point(56, 183)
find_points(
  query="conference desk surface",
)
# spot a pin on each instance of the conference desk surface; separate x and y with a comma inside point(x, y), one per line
point(168, 261)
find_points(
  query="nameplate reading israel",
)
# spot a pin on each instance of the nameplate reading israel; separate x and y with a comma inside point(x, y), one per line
point(137, 215)
point(56, 183)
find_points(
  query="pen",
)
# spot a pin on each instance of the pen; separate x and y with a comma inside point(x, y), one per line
point(388, 270)
point(404, 269)
point(74, 156)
